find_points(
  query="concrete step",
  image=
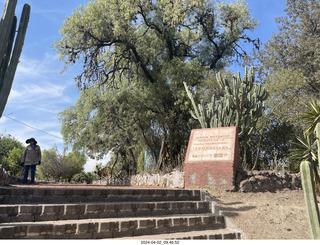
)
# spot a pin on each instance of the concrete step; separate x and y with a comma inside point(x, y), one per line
point(221, 234)
point(43, 195)
point(111, 228)
point(47, 212)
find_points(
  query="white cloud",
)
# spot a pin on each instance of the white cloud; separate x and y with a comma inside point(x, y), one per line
point(91, 163)
point(38, 93)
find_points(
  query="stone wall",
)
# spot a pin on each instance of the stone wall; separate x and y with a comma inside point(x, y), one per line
point(271, 181)
point(174, 179)
point(252, 181)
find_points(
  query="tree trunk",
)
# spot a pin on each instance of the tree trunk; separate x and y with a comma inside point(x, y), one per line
point(275, 161)
point(258, 152)
point(160, 156)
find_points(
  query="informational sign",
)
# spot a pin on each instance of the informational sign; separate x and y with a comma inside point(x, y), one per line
point(212, 158)
point(212, 145)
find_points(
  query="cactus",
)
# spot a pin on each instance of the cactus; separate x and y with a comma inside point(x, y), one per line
point(9, 58)
point(307, 179)
point(241, 106)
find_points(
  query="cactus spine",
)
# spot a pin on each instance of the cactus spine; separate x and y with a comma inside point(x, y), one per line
point(9, 58)
point(241, 106)
point(307, 179)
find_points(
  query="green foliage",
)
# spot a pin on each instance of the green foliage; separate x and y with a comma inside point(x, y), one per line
point(83, 177)
point(270, 148)
point(10, 154)
point(308, 145)
point(289, 62)
point(9, 58)
point(61, 166)
point(288, 97)
point(242, 105)
point(304, 150)
point(136, 56)
point(14, 160)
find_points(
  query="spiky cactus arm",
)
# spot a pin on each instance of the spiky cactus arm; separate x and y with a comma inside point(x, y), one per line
point(307, 179)
point(8, 61)
point(199, 112)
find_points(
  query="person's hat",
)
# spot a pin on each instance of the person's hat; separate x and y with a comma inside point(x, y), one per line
point(31, 139)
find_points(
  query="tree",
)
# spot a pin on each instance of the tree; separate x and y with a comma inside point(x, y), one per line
point(61, 166)
point(145, 50)
point(14, 161)
point(291, 60)
point(10, 154)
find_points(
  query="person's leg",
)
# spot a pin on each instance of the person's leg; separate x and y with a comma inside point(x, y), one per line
point(33, 172)
point(26, 172)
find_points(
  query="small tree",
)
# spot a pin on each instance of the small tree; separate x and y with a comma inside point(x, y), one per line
point(10, 154)
point(61, 166)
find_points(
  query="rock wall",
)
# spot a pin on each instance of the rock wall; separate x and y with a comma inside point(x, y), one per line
point(252, 181)
point(271, 181)
point(174, 179)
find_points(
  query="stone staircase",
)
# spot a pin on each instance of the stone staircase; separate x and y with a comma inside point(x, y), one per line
point(104, 213)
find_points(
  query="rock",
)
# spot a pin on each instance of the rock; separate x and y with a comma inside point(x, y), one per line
point(257, 187)
point(252, 179)
point(278, 185)
point(269, 185)
point(286, 184)
point(295, 181)
point(260, 178)
point(245, 186)
point(241, 175)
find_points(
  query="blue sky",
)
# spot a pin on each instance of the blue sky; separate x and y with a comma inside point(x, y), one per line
point(40, 90)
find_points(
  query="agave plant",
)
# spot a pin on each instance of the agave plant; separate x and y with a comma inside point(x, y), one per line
point(306, 149)
point(312, 116)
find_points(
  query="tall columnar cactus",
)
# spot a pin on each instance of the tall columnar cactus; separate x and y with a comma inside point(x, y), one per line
point(241, 106)
point(9, 58)
point(309, 176)
point(307, 179)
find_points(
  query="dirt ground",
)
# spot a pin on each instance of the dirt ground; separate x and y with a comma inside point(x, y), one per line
point(280, 215)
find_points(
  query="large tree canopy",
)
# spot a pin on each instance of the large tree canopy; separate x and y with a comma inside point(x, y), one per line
point(291, 60)
point(136, 56)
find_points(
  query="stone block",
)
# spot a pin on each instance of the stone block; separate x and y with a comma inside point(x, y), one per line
point(20, 231)
point(229, 236)
point(95, 208)
point(146, 224)
point(215, 237)
point(64, 229)
point(87, 228)
point(56, 210)
point(164, 223)
point(7, 232)
point(75, 209)
point(179, 222)
point(110, 227)
point(40, 230)
point(128, 225)
point(8, 211)
point(246, 186)
point(194, 221)
point(31, 210)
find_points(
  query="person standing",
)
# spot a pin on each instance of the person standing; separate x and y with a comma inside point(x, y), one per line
point(31, 157)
